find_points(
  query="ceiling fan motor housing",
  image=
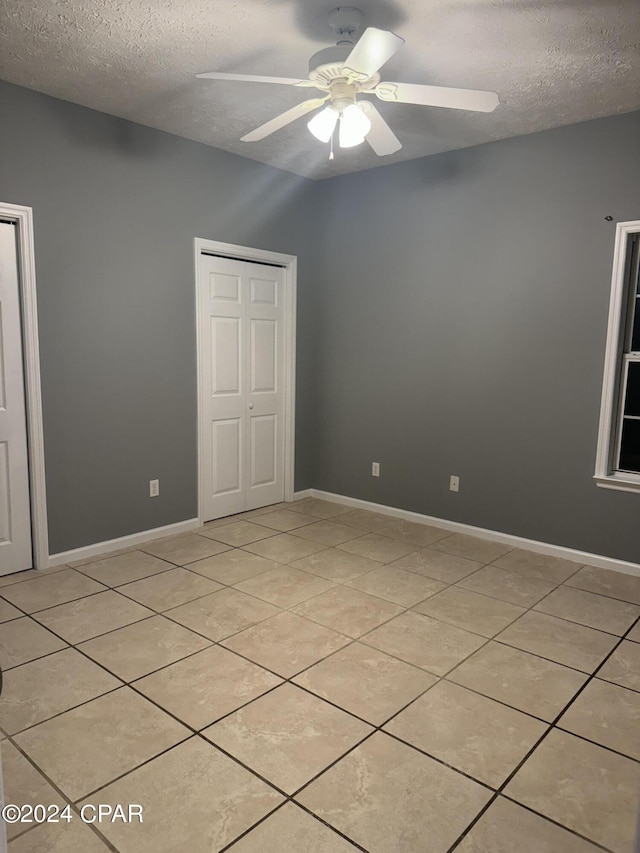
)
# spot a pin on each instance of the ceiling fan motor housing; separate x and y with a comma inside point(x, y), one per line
point(329, 57)
point(326, 69)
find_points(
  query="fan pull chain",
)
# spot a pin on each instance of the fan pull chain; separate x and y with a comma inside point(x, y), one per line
point(331, 147)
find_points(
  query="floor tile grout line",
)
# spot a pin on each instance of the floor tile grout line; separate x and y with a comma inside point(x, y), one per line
point(603, 594)
point(440, 761)
point(13, 618)
point(58, 790)
point(179, 565)
point(201, 729)
point(355, 640)
point(72, 708)
point(44, 573)
point(552, 727)
point(154, 612)
point(232, 757)
point(376, 726)
point(286, 506)
point(253, 826)
point(596, 743)
point(108, 844)
point(129, 682)
point(524, 573)
point(589, 678)
point(528, 607)
point(288, 797)
point(144, 618)
point(248, 659)
point(125, 683)
point(7, 669)
point(532, 608)
point(169, 567)
point(270, 535)
point(131, 770)
point(192, 732)
point(444, 677)
point(573, 621)
point(333, 763)
point(457, 625)
point(70, 601)
point(75, 643)
point(173, 606)
point(242, 764)
point(324, 822)
point(74, 803)
point(70, 645)
point(222, 639)
point(295, 804)
point(230, 548)
point(543, 657)
point(552, 820)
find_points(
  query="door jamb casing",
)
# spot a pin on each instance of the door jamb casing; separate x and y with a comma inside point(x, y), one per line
point(23, 218)
point(289, 262)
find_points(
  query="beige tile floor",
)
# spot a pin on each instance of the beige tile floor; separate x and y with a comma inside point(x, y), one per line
point(317, 679)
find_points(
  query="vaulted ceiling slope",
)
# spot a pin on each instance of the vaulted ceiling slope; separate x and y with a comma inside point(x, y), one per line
point(553, 62)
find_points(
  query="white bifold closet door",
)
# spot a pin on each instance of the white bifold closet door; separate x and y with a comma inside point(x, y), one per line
point(15, 514)
point(241, 355)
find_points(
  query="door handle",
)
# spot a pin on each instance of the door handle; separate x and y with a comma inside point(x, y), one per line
point(251, 405)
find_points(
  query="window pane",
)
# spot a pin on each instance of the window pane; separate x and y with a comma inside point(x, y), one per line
point(635, 333)
point(630, 446)
point(632, 400)
point(635, 317)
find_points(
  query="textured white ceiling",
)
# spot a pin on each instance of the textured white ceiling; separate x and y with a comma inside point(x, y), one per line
point(553, 62)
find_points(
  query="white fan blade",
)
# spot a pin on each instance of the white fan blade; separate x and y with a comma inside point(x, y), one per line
point(283, 119)
point(253, 78)
point(381, 138)
point(370, 53)
point(438, 96)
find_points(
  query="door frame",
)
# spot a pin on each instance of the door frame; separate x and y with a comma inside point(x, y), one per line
point(23, 219)
point(290, 264)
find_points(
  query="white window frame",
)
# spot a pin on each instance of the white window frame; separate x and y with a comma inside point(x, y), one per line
point(611, 408)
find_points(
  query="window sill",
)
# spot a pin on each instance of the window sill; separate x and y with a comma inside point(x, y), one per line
point(621, 483)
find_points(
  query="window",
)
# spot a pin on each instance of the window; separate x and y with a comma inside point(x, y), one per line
point(618, 458)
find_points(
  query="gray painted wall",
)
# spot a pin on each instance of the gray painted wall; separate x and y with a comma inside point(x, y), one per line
point(451, 319)
point(116, 208)
point(462, 317)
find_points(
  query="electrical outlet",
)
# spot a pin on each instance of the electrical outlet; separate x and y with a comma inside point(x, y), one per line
point(454, 483)
point(375, 469)
point(154, 488)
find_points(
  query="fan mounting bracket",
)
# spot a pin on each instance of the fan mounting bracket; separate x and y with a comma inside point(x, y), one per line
point(346, 22)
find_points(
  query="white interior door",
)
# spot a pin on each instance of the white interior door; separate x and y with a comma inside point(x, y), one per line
point(15, 515)
point(242, 333)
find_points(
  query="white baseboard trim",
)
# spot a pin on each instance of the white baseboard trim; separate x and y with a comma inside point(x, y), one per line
point(305, 493)
point(99, 548)
point(482, 533)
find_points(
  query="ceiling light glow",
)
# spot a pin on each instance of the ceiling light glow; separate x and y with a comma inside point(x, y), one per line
point(354, 126)
point(323, 124)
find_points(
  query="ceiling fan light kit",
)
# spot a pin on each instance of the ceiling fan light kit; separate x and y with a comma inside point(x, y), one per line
point(324, 123)
point(350, 69)
point(354, 127)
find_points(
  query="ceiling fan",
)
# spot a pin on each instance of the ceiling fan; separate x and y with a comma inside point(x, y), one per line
point(350, 69)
